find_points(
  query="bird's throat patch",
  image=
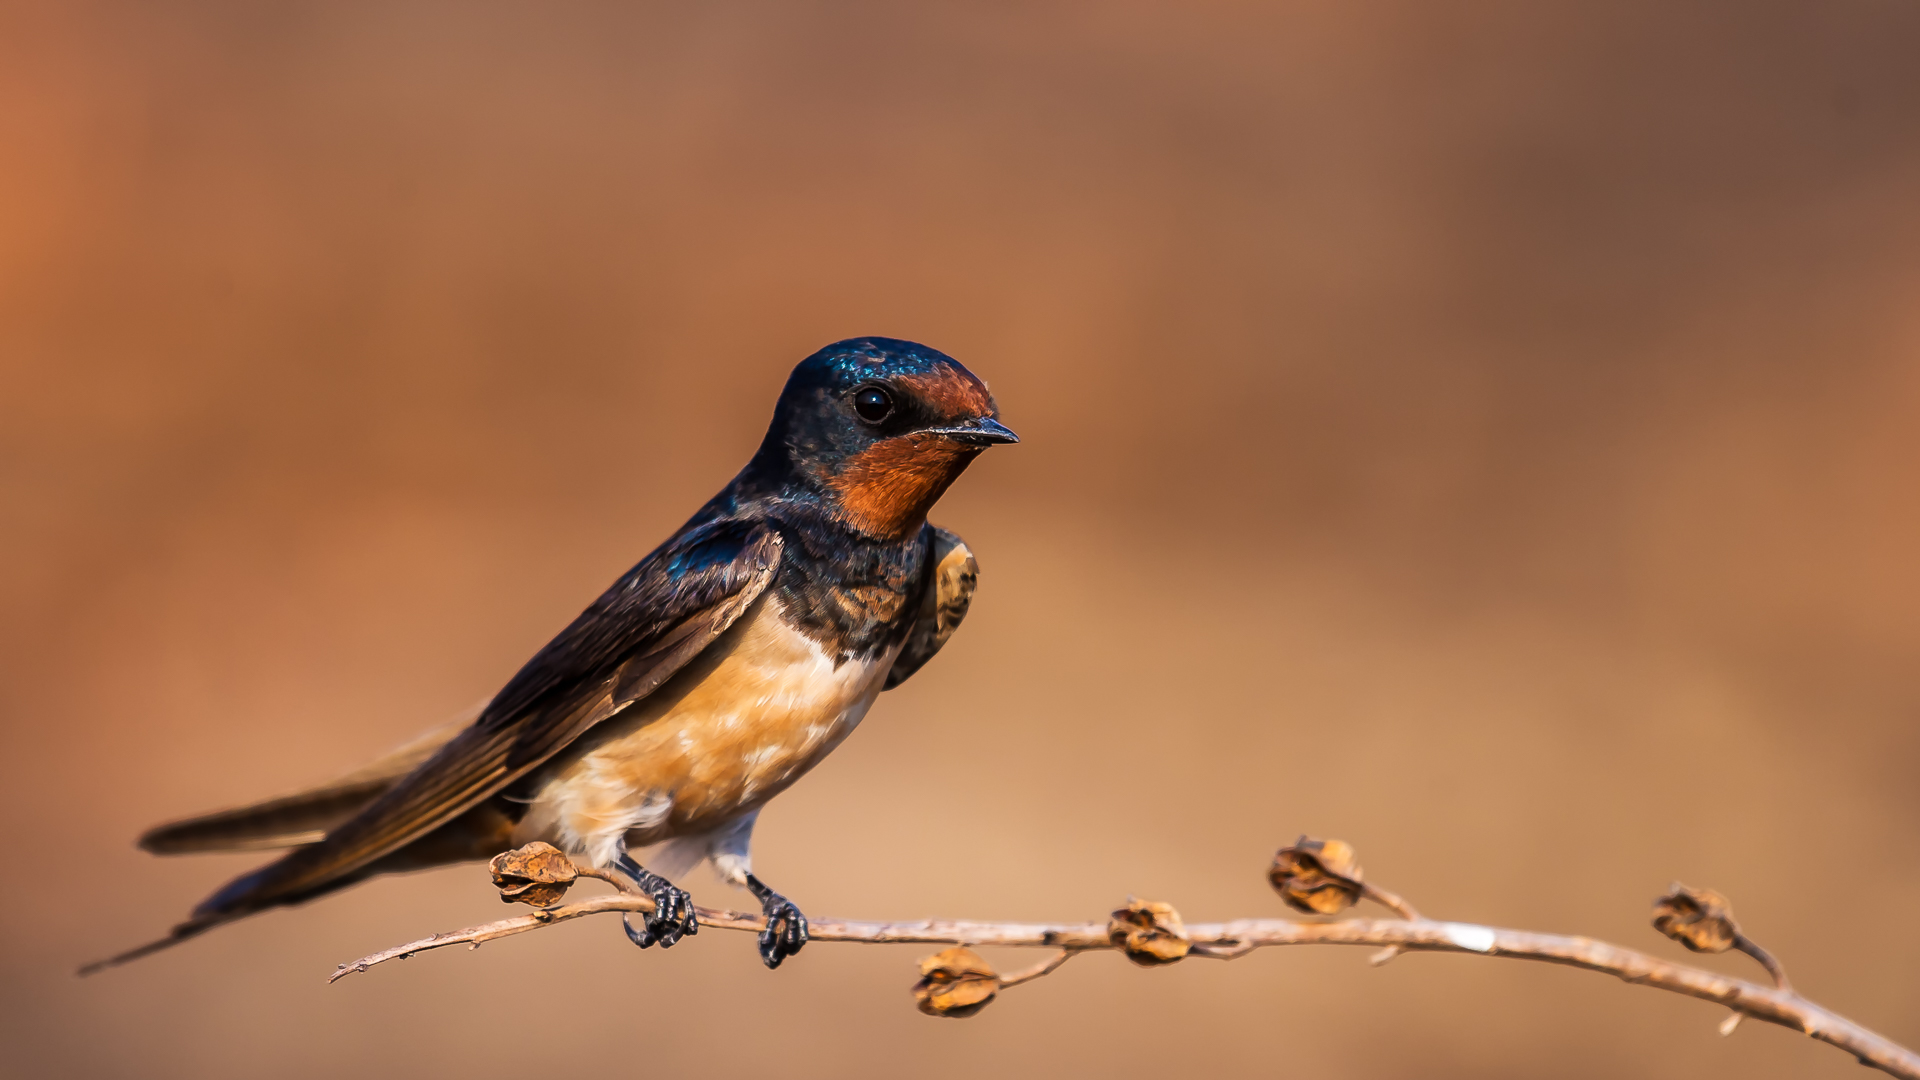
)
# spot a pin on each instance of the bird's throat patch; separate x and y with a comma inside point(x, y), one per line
point(887, 489)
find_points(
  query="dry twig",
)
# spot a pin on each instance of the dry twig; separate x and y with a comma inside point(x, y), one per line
point(1312, 875)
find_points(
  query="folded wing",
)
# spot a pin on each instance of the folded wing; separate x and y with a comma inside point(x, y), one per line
point(303, 817)
point(654, 620)
point(950, 583)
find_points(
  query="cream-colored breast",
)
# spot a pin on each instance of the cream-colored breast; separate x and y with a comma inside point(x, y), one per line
point(762, 705)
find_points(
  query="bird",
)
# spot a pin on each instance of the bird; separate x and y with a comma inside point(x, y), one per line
point(700, 685)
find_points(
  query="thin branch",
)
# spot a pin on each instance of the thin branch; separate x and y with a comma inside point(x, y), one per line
point(1399, 907)
point(1235, 938)
point(1044, 967)
point(1232, 950)
point(1752, 948)
point(925, 932)
point(1390, 901)
point(1698, 918)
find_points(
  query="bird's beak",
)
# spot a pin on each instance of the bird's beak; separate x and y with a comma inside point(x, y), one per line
point(983, 431)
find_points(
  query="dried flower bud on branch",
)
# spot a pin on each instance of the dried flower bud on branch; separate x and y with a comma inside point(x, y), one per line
point(1703, 921)
point(1700, 919)
point(1319, 877)
point(1149, 932)
point(1323, 877)
point(538, 874)
point(957, 982)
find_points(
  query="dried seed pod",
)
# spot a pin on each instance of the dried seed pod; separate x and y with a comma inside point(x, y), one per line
point(958, 982)
point(1149, 932)
point(1700, 919)
point(538, 874)
point(1318, 877)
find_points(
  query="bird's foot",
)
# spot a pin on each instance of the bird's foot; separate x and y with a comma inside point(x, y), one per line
point(786, 928)
point(672, 916)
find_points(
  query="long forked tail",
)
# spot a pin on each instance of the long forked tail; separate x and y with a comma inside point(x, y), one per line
point(235, 901)
point(303, 817)
point(216, 910)
point(190, 929)
point(294, 820)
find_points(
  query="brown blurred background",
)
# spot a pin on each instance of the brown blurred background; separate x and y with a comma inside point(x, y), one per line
point(1484, 432)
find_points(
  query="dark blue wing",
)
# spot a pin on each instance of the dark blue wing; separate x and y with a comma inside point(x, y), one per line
point(654, 620)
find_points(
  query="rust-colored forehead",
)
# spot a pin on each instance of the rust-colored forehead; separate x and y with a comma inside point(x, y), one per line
point(954, 393)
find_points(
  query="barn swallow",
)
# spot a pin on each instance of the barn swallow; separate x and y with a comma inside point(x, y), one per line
point(700, 685)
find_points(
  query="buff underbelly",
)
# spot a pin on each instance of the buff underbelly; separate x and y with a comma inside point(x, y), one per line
point(759, 708)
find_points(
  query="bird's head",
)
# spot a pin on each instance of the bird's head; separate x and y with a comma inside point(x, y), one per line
point(878, 428)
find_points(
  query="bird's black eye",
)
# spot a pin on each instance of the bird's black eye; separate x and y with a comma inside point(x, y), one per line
point(873, 404)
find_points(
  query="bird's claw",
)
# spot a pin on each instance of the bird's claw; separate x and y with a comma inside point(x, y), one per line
point(672, 916)
point(786, 929)
point(671, 919)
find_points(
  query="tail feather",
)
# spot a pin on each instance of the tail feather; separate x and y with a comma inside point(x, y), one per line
point(234, 901)
point(287, 821)
point(304, 817)
point(192, 928)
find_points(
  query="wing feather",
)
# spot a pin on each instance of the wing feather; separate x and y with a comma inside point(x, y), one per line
point(653, 621)
point(949, 593)
point(303, 817)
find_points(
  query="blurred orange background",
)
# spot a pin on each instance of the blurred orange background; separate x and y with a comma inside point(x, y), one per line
point(1483, 432)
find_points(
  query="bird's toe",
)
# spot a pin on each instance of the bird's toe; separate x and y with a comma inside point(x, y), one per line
point(785, 933)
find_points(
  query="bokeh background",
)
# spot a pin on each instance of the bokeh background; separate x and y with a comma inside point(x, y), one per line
point(1485, 432)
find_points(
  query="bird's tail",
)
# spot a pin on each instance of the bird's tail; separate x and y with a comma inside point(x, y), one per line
point(290, 821)
point(303, 817)
point(192, 928)
point(236, 900)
